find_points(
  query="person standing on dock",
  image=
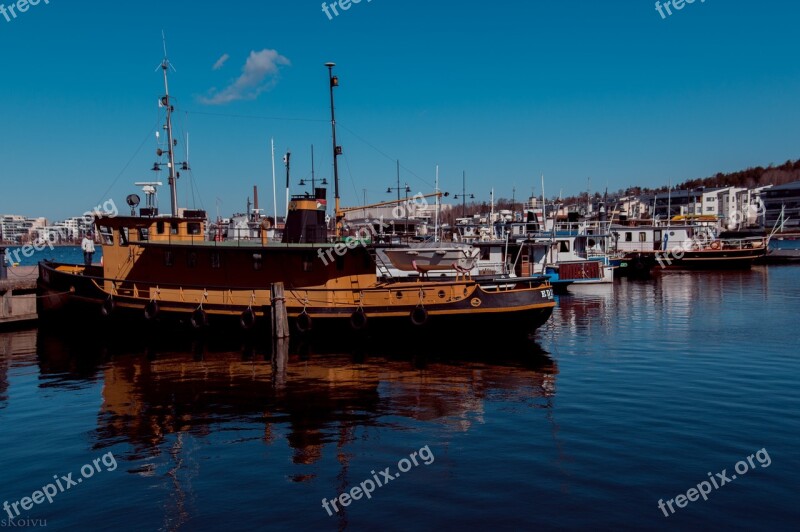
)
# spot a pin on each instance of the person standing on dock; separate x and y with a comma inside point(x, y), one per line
point(87, 245)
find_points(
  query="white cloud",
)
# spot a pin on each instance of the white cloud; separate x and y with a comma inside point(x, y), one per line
point(221, 61)
point(259, 74)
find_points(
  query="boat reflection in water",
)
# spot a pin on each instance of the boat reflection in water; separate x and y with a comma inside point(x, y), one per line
point(665, 306)
point(5, 361)
point(310, 401)
point(18, 348)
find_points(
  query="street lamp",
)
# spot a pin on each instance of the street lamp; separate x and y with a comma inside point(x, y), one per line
point(324, 181)
point(399, 189)
point(463, 195)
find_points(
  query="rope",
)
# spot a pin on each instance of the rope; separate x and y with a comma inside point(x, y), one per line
point(55, 294)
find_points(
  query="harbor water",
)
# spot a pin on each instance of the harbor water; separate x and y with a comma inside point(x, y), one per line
point(632, 394)
point(22, 256)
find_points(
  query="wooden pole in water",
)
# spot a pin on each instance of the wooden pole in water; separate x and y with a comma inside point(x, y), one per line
point(280, 320)
point(280, 357)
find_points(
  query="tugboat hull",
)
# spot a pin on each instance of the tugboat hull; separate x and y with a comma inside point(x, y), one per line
point(68, 293)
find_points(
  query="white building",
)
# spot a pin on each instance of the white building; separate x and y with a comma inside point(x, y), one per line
point(19, 229)
point(711, 200)
point(750, 207)
point(633, 207)
point(727, 207)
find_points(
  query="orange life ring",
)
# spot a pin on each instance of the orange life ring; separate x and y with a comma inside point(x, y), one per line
point(715, 245)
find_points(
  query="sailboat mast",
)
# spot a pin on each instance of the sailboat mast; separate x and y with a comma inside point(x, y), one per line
point(286, 159)
point(544, 207)
point(438, 206)
point(491, 211)
point(669, 204)
point(274, 190)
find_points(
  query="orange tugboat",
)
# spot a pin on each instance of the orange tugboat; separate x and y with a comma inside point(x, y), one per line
point(161, 267)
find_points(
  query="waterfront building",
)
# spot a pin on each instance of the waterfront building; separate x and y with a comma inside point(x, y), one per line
point(710, 201)
point(749, 203)
point(786, 199)
point(633, 207)
point(18, 229)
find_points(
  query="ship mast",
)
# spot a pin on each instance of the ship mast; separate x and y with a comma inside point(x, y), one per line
point(337, 150)
point(165, 102)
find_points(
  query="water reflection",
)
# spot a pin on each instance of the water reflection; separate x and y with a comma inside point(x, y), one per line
point(672, 300)
point(204, 430)
point(16, 348)
point(5, 361)
point(309, 394)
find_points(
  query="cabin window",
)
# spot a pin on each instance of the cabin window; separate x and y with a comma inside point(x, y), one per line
point(173, 228)
point(258, 263)
point(657, 235)
point(106, 235)
point(160, 228)
point(642, 236)
point(168, 258)
point(563, 246)
point(485, 254)
point(123, 236)
point(191, 259)
point(215, 259)
point(193, 228)
point(144, 234)
point(628, 237)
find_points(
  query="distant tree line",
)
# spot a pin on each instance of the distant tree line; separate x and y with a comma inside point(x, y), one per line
point(750, 178)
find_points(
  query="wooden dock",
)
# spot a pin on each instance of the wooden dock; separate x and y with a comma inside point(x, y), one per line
point(18, 295)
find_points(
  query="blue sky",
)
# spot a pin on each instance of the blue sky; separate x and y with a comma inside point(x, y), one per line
point(504, 91)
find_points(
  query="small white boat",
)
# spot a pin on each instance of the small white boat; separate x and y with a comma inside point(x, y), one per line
point(424, 259)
